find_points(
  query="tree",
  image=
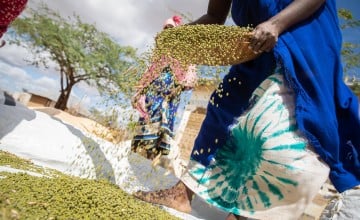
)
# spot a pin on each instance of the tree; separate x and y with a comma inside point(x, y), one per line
point(350, 51)
point(81, 51)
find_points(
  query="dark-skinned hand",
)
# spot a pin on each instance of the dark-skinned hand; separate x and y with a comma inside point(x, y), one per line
point(264, 37)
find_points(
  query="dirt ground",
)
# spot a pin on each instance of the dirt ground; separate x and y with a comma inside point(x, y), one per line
point(111, 135)
point(85, 124)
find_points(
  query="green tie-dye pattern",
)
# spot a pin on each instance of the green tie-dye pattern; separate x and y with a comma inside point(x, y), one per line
point(283, 180)
point(275, 79)
point(280, 164)
point(263, 197)
point(291, 128)
point(237, 163)
point(298, 146)
point(287, 181)
point(274, 189)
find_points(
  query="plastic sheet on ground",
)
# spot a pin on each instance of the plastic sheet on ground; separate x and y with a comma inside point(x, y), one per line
point(49, 142)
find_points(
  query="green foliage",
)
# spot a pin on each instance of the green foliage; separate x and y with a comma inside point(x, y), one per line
point(81, 51)
point(355, 87)
point(350, 51)
point(349, 20)
point(351, 55)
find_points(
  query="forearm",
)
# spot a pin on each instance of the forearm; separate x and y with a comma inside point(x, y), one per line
point(265, 35)
point(205, 19)
point(217, 13)
point(294, 13)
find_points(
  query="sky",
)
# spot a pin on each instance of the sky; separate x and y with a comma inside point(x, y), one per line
point(129, 22)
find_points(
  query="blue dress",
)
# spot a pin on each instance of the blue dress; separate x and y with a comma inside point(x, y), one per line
point(326, 110)
point(257, 152)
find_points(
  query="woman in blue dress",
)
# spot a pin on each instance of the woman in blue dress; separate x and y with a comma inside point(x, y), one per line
point(277, 126)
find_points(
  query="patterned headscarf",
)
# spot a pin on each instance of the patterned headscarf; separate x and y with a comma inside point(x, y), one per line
point(9, 11)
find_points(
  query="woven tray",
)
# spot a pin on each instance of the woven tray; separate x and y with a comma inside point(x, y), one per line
point(213, 45)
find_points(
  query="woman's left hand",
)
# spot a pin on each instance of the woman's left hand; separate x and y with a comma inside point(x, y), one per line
point(264, 37)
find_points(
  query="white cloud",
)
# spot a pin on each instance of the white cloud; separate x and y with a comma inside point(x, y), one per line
point(16, 73)
point(19, 56)
point(43, 86)
point(89, 90)
point(131, 23)
point(14, 55)
point(15, 79)
point(12, 78)
point(46, 82)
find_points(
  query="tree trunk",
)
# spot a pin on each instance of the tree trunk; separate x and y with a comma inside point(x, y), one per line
point(61, 103)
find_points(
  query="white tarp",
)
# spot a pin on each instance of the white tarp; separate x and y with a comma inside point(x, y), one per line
point(49, 142)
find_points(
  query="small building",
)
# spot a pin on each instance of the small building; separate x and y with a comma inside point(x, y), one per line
point(40, 101)
point(31, 99)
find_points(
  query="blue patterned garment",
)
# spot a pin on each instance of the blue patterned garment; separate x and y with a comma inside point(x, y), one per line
point(326, 109)
point(162, 104)
point(265, 169)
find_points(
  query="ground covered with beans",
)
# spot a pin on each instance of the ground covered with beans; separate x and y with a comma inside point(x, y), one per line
point(34, 192)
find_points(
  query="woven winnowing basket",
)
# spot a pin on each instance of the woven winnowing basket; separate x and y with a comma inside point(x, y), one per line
point(213, 45)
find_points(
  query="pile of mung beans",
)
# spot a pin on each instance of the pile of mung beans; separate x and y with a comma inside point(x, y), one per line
point(59, 196)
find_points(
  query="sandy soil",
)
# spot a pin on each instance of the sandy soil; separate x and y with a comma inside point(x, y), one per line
point(85, 124)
